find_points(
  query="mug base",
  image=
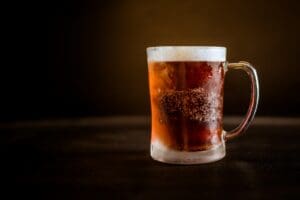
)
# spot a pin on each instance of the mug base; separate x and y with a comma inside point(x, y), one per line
point(163, 154)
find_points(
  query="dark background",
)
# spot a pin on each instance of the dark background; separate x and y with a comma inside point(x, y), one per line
point(87, 58)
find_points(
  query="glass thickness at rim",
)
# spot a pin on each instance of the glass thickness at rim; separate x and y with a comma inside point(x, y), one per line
point(186, 53)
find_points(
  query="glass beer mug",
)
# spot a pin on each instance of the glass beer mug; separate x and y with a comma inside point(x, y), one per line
point(186, 90)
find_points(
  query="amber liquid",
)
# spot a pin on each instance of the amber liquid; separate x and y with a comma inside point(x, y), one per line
point(186, 104)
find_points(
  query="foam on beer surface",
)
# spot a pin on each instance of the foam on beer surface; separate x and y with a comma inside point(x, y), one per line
point(186, 53)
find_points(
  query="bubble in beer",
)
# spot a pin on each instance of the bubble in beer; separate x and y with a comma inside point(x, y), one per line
point(194, 104)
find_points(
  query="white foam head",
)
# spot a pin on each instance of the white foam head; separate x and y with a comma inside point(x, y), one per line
point(186, 53)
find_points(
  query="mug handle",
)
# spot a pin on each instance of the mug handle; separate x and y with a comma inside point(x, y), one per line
point(250, 70)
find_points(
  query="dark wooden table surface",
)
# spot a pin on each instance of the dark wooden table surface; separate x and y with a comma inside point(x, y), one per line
point(108, 158)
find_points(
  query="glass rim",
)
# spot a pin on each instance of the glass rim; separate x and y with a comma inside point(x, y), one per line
point(150, 48)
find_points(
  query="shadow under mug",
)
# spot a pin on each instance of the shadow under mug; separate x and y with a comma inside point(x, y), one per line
point(186, 90)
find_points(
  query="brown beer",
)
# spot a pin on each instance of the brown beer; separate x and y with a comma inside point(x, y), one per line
point(186, 104)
